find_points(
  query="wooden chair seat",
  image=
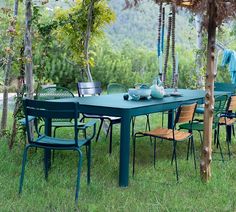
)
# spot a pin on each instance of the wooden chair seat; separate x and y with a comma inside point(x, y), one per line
point(168, 134)
point(226, 121)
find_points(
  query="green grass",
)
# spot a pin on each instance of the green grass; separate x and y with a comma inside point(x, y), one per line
point(151, 189)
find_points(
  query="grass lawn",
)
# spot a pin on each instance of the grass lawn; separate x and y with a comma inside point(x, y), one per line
point(151, 189)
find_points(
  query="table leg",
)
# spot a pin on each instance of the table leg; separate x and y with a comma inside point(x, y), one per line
point(171, 118)
point(124, 151)
point(47, 152)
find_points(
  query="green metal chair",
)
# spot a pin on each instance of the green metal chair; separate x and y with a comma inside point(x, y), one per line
point(56, 92)
point(185, 113)
point(94, 89)
point(116, 88)
point(47, 111)
point(219, 86)
point(219, 108)
point(147, 125)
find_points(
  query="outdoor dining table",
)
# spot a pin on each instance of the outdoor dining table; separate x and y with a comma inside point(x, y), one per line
point(115, 105)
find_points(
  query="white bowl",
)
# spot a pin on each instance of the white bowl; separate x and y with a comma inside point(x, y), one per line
point(139, 93)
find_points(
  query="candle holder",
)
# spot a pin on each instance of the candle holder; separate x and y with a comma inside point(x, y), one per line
point(175, 92)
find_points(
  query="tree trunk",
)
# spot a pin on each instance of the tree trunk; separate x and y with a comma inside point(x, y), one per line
point(18, 105)
point(28, 50)
point(87, 38)
point(8, 70)
point(206, 156)
point(200, 47)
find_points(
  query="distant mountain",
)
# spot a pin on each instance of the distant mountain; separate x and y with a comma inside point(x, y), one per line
point(140, 25)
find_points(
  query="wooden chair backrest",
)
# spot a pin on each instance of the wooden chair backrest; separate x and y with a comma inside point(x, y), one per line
point(89, 88)
point(185, 113)
point(231, 104)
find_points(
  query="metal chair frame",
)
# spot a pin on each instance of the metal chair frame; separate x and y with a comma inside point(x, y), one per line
point(52, 110)
point(93, 89)
point(174, 154)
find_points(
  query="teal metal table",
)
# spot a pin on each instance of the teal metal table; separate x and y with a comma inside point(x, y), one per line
point(115, 105)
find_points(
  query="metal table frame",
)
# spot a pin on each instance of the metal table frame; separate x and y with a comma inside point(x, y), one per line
point(115, 105)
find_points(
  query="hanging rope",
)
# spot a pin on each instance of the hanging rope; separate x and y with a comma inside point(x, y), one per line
point(173, 9)
point(167, 48)
point(163, 30)
point(159, 32)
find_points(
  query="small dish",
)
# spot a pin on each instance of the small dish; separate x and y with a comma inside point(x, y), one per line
point(176, 94)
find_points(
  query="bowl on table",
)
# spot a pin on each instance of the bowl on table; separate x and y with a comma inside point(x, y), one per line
point(139, 93)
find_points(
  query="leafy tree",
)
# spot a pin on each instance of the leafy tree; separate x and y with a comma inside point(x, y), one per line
point(72, 29)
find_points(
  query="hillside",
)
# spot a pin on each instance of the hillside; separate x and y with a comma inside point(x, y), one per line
point(140, 25)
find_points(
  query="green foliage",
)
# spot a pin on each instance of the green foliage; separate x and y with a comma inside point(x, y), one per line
point(130, 65)
point(72, 25)
point(10, 27)
point(127, 66)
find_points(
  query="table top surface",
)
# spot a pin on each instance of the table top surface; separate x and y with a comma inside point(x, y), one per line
point(117, 101)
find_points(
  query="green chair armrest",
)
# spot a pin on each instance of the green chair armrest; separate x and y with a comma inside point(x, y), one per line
point(91, 123)
point(23, 121)
point(88, 124)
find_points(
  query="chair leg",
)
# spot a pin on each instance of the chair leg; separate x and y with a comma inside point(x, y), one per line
point(218, 143)
point(78, 176)
point(134, 152)
point(108, 130)
point(176, 165)
point(148, 126)
point(201, 140)
point(188, 148)
point(233, 130)
point(194, 155)
point(218, 136)
point(173, 156)
point(110, 143)
point(99, 130)
point(23, 168)
point(228, 139)
point(133, 123)
point(162, 119)
point(154, 153)
point(214, 137)
point(53, 151)
point(88, 161)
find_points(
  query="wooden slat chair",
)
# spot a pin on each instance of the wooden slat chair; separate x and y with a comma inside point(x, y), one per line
point(228, 120)
point(43, 110)
point(93, 89)
point(219, 108)
point(185, 113)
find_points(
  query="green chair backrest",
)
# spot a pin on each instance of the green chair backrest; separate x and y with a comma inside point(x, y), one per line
point(43, 110)
point(54, 92)
point(222, 86)
point(219, 107)
point(116, 88)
